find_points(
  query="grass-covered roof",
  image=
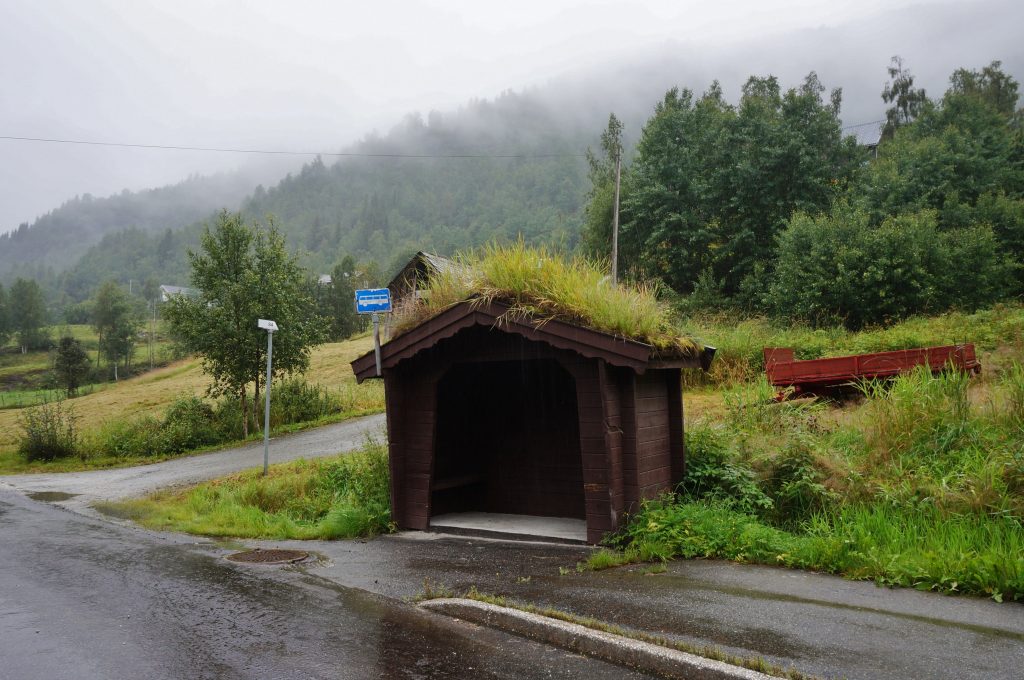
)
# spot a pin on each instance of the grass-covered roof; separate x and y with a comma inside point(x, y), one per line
point(539, 285)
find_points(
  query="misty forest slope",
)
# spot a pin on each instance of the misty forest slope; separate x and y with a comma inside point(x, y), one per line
point(493, 169)
point(381, 208)
point(56, 240)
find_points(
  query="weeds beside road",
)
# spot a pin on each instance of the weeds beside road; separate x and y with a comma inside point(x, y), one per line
point(341, 497)
point(917, 486)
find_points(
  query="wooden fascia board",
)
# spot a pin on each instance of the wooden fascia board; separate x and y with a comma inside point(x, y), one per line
point(694, 362)
point(407, 344)
point(584, 341)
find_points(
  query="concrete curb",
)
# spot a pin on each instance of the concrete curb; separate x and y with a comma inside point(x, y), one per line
point(649, 658)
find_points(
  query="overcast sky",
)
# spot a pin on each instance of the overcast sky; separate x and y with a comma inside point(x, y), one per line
point(318, 75)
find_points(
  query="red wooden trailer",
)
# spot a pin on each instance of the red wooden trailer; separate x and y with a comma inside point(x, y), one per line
point(816, 376)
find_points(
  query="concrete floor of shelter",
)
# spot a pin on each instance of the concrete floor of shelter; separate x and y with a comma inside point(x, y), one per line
point(493, 523)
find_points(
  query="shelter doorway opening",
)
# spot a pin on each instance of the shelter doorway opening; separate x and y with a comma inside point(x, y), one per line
point(507, 440)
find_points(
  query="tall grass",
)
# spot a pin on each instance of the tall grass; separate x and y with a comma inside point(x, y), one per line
point(921, 548)
point(920, 413)
point(538, 284)
point(342, 497)
point(920, 485)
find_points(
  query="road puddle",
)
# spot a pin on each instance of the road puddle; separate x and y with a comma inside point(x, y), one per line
point(51, 496)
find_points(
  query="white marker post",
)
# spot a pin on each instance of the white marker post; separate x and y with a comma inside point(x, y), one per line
point(269, 327)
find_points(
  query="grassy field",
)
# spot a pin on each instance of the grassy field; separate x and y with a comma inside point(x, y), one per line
point(24, 378)
point(152, 393)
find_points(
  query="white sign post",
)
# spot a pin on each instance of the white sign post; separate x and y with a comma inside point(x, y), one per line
point(269, 327)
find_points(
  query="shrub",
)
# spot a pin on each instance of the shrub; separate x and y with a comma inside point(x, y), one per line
point(293, 400)
point(227, 418)
point(838, 267)
point(795, 483)
point(50, 433)
point(134, 438)
point(710, 474)
point(188, 424)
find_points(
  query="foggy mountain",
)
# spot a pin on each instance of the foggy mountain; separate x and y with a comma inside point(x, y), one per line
point(383, 208)
point(56, 240)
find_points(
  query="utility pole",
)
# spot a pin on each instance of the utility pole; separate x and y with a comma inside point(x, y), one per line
point(152, 333)
point(615, 217)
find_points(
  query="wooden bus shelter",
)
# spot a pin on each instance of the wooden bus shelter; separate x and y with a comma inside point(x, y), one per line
point(491, 413)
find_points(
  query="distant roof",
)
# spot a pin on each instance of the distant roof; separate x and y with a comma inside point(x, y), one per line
point(866, 134)
point(421, 263)
point(177, 290)
point(325, 280)
point(167, 291)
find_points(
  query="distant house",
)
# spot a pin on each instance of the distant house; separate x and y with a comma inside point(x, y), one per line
point(324, 280)
point(167, 292)
point(868, 135)
point(412, 279)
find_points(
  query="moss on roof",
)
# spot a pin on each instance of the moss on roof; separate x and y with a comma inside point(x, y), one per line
point(539, 285)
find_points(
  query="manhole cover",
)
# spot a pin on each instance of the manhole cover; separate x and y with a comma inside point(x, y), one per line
point(269, 556)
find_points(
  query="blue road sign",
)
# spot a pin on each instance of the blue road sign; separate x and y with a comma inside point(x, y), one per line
point(372, 300)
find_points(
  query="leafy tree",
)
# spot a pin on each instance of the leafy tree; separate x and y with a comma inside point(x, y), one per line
point(907, 101)
point(713, 184)
point(150, 289)
point(955, 153)
point(837, 267)
point(243, 274)
point(71, 364)
point(337, 301)
point(996, 88)
point(596, 236)
point(28, 316)
point(117, 323)
point(5, 323)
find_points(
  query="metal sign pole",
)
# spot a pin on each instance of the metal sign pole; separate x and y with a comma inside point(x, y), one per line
point(376, 339)
point(372, 301)
point(266, 408)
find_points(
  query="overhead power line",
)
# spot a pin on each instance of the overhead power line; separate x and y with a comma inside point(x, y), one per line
point(281, 152)
point(334, 154)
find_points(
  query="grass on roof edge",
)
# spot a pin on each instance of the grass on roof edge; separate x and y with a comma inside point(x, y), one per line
point(540, 285)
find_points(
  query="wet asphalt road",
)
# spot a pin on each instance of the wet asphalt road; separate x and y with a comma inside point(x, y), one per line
point(816, 623)
point(84, 599)
point(112, 601)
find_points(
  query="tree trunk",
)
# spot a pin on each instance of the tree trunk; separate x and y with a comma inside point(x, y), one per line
point(245, 415)
point(256, 405)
